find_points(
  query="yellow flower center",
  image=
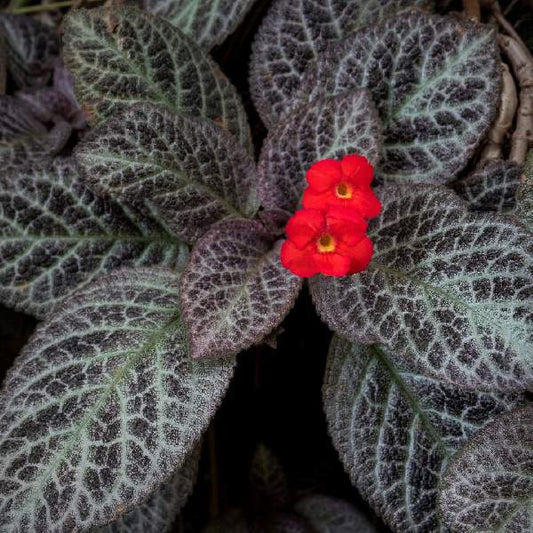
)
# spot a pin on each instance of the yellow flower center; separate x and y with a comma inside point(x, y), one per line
point(325, 244)
point(344, 190)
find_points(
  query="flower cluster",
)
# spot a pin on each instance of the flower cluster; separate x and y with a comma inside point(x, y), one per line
point(328, 235)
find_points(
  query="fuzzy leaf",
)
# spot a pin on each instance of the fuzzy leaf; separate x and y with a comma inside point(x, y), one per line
point(331, 127)
point(449, 291)
point(489, 485)
point(435, 81)
point(330, 515)
point(56, 235)
point(395, 431)
point(32, 49)
point(121, 56)
point(235, 291)
point(491, 187)
point(206, 22)
point(159, 512)
point(24, 139)
point(103, 404)
point(293, 34)
point(188, 171)
point(524, 195)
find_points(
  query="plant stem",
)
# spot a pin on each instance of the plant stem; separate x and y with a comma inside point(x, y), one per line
point(44, 7)
point(472, 9)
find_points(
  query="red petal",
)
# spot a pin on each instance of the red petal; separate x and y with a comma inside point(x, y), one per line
point(361, 255)
point(324, 174)
point(321, 200)
point(346, 225)
point(299, 262)
point(365, 202)
point(332, 264)
point(305, 226)
point(358, 170)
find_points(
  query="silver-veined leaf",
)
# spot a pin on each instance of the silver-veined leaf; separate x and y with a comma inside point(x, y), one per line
point(449, 291)
point(331, 515)
point(159, 512)
point(489, 484)
point(491, 187)
point(524, 195)
point(32, 49)
point(395, 430)
point(122, 56)
point(436, 84)
point(56, 235)
point(327, 128)
point(206, 22)
point(187, 170)
point(103, 404)
point(234, 290)
point(24, 138)
point(293, 34)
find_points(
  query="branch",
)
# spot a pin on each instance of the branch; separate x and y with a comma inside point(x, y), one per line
point(522, 64)
point(472, 9)
point(504, 120)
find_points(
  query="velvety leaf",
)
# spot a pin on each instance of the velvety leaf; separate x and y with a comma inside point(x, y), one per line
point(190, 172)
point(56, 235)
point(395, 430)
point(32, 49)
point(448, 290)
point(234, 290)
point(24, 138)
point(489, 484)
point(491, 187)
point(159, 512)
point(206, 22)
point(293, 34)
point(330, 515)
point(328, 128)
point(121, 56)
point(268, 485)
point(103, 404)
point(435, 81)
point(524, 195)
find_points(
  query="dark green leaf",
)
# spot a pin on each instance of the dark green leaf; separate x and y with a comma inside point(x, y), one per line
point(103, 404)
point(395, 430)
point(188, 171)
point(448, 290)
point(56, 235)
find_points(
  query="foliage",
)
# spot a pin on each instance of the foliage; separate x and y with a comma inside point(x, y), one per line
point(135, 222)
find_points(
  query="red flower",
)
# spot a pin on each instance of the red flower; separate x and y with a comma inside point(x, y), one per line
point(332, 243)
point(343, 183)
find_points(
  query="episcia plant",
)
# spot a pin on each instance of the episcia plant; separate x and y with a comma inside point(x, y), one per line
point(136, 224)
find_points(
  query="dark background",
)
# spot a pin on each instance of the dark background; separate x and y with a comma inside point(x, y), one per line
point(275, 396)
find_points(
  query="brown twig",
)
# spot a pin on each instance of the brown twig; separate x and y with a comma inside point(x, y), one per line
point(504, 120)
point(472, 9)
point(522, 64)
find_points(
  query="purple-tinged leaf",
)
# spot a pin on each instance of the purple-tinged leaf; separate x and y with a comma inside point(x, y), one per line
point(122, 56)
point(234, 291)
point(24, 138)
point(159, 512)
point(206, 22)
point(489, 484)
point(56, 236)
point(491, 187)
point(32, 49)
point(188, 171)
point(524, 195)
point(293, 34)
point(436, 84)
point(103, 405)
point(396, 430)
point(327, 128)
point(449, 291)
